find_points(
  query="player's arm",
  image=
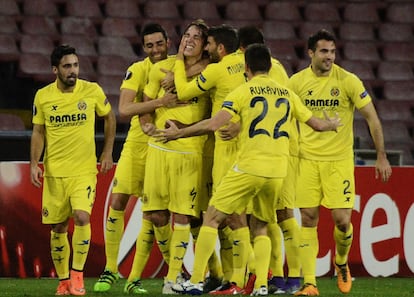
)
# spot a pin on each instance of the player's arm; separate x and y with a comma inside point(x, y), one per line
point(203, 127)
point(382, 165)
point(327, 124)
point(127, 107)
point(109, 138)
point(37, 144)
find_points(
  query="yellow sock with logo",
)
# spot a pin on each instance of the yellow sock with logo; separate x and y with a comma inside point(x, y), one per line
point(113, 234)
point(226, 252)
point(81, 241)
point(290, 231)
point(143, 248)
point(241, 242)
point(343, 242)
point(308, 251)
point(163, 237)
point(60, 252)
point(178, 247)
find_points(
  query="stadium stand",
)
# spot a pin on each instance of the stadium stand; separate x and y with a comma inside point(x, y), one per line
point(84, 8)
point(283, 11)
point(78, 26)
point(395, 32)
point(123, 9)
point(8, 25)
point(36, 44)
point(11, 122)
point(8, 49)
point(201, 9)
point(40, 8)
point(363, 12)
point(84, 45)
point(10, 8)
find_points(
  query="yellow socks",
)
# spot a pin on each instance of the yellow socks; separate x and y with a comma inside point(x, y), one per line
point(343, 244)
point(60, 252)
point(113, 234)
point(143, 248)
point(308, 251)
point(81, 240)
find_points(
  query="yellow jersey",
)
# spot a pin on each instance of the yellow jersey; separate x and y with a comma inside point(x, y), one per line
point(69, 120)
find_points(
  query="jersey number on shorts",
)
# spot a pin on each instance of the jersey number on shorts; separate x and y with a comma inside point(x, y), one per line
point(253, 131)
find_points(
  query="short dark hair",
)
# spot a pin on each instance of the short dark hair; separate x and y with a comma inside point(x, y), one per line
point(151, 28)
point(226, 35)
point(59, 52)
point(249, 35)
point(257, 58)
point(322, 34)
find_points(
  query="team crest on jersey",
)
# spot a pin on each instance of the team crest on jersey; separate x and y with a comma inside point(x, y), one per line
point(128, 75)
point(335, 92)
point(144, 199)
point(45, 212)
point(82, 105)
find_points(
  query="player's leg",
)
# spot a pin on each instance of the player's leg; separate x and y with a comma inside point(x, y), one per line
point(185, 183)
point(308, 197)
point(339, 193)
point(82, 196)
point(56, 213)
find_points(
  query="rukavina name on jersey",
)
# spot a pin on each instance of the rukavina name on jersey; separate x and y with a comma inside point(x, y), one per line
point(75, 119)
point(266, 90)
point(235, 68)
point(317, 104)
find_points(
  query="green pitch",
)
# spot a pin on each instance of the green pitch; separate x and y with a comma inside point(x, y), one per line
point(362, 287)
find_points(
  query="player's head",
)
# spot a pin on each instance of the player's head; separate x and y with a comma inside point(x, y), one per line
point(321, 50)
point(222, 40)
point(65, 65)
point(155, 42)
point(257, 58)
point(195, 38)
point(249, 35)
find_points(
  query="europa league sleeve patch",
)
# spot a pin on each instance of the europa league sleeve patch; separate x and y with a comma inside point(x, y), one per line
point(128, 75)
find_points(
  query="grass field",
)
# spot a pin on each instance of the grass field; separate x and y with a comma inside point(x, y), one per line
point(362, 287)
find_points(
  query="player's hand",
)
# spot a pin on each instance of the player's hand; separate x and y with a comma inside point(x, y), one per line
point(149, 129)
point(383, 168)
point(106, 162)
point(167, 83)
point(35, 175)
point(181, 47)
point(170, 132)
point(334, 122)
point(229, 131)
point(169, 100)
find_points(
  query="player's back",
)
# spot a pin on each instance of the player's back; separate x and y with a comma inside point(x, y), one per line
point(265, 110)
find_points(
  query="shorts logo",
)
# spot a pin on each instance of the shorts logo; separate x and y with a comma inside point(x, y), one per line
point(115, 182)
point(45, 212)
point(82, 105)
